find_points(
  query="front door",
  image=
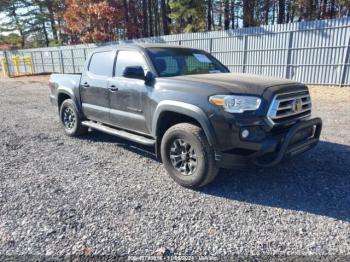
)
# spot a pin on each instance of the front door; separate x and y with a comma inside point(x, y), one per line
point(126, 95)
point(94, 86)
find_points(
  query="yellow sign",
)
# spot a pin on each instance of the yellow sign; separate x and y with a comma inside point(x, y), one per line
point(3, 66)
point(22, 65)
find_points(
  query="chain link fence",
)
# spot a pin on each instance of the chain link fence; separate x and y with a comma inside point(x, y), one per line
point(316, 52)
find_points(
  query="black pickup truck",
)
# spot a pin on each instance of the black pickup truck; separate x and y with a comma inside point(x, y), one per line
point(197, 115)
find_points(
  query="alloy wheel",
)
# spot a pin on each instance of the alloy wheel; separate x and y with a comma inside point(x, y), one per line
point(183, 157)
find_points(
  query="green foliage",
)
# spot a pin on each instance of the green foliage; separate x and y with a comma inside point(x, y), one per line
point(12, 39)
point(188, 15)
point(58, 42)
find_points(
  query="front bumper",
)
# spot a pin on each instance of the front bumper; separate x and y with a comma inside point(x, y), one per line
point(299, 138)
point(53, 100)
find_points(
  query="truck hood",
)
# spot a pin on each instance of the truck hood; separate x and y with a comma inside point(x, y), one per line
point(237, 82)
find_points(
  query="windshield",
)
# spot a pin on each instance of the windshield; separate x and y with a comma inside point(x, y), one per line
point(180, 61)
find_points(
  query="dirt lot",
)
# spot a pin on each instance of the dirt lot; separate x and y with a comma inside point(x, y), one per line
point(103, 195)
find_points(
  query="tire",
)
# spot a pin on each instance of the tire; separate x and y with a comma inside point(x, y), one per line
point(201, 168)
point(71, 119)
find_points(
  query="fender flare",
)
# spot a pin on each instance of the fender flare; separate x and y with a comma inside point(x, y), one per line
point(185, 109)
point(69, 92)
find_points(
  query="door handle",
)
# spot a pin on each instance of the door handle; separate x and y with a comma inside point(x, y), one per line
point(85, 85)
point(113, 88)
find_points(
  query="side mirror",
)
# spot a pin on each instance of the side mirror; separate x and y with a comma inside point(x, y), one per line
point(135, 72)
point(149, 78)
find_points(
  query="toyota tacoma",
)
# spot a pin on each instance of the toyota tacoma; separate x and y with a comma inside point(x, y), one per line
point(197, 115)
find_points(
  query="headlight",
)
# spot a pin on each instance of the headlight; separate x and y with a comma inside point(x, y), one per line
point(236, 104)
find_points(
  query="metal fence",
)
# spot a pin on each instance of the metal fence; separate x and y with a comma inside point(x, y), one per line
point(316, 52)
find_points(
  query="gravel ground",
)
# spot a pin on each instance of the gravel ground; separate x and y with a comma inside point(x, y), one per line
point(103, 195)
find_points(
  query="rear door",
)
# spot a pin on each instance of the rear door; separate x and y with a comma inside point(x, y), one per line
point(94, 86)
point(127, 101)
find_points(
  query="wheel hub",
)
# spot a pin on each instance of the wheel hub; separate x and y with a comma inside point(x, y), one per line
point(68, 118)
point(183, 157)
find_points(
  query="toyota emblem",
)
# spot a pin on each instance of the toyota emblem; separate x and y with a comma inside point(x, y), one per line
point(297, 105)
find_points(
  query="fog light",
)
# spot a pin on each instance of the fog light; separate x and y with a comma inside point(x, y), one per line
point(245, 133)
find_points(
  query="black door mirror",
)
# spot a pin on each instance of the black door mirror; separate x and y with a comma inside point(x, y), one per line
point(149, 78)
point(135, 72)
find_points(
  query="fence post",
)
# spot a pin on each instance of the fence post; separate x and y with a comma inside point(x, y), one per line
point(61, 60)
point(33, 64)
point(346, 58)
point(179, 42)
point(73, 62)
point(7, 64)
point(42, 61)
point(84, 53)
point(245, 46)
point(24, 63)
point(289, 55)
point(211, 46)
point(52, 61)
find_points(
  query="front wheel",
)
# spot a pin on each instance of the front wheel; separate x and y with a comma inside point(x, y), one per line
point(187, 155)
point(71, 119)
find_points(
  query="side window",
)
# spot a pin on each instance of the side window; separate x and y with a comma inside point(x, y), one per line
point(129, 58)
point(101, 63)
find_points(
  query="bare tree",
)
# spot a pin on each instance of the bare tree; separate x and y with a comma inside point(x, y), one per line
point(209, 15)
point(150, 18)
point(281, 11)
point(156, 17)
point(248, 13)
point(145, 18)
point(227, 14)
point(164, 17)
point(266, 11)
point(232, 10)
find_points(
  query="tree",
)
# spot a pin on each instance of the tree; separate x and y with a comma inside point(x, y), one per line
point(218, 9)
point(38, 21)
point(156, 17)
point(291, 7)
point(165, 18)
point(281, 11)
point(248, 13)
point(126, 16)
point(145, 18)
point(16, 22)
point(50, 9)
point(11, 40)
point(266, 11)
point(100, 21)
point(227, 14)
point(209, 14)
point(232, 10)
point(52, 22)
point(150, 18)
point(188, 15)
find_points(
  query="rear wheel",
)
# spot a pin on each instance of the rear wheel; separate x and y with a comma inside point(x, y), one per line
point(187, 155)
point(71, 119)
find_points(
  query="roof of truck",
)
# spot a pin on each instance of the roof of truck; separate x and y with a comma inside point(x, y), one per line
point(138, 46)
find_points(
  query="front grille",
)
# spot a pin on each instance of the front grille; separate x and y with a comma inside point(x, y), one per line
point(288, 107)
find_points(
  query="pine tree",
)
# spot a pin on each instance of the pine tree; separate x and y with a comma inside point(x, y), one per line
point(188, 15)
point(16, 21)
